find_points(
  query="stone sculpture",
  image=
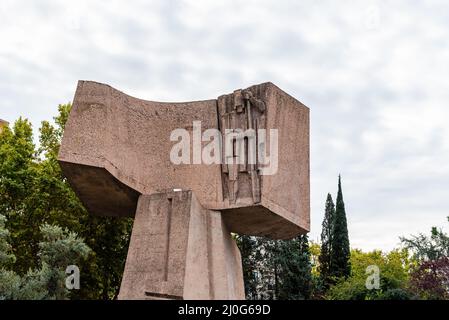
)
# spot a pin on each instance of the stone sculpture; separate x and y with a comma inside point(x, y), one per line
point(116, 153)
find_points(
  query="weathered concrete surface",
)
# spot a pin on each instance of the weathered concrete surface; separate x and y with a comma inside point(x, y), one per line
point(116, 155)
point(129, 138)
point(179, 250)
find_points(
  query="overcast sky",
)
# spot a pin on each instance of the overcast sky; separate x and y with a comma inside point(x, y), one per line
point(373, 73)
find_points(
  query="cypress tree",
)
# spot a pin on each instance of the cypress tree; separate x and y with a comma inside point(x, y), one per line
point(326, 241)
point(340, 251)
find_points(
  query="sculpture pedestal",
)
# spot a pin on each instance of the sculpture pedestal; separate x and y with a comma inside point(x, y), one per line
point(180, 250)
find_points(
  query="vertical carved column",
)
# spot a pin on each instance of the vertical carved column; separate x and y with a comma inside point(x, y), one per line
point(179, 250)
point(241, 114)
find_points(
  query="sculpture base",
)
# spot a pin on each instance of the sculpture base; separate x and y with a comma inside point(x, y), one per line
point(180, 250)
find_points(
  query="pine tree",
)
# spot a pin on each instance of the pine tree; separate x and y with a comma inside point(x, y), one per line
point(326, 242)
point(58, 249)
point(340, 251)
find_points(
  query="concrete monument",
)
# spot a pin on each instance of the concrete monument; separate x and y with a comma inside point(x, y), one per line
point(151, 160)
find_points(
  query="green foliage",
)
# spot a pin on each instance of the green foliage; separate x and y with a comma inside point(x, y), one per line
point(249, 253)
point(18, 171)
point(430, 279)
point(396, 294)
point(295, 277)
point(294, 269)
point(35, 199)
point(353, 288)
point(326, 242)
point(58, 249)
point(33, 192)
point(7, 258)
point(340, 250)
point(394, 270)
point(10, 285)
point(334, 258)
point(315, 252)
point(276, 269)
point(258, 266)
point(430, 275)
point(431, 247)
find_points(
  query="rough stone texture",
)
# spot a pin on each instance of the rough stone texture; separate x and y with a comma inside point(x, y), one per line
point(129, 139)
point(179, 250)
point(116, 155)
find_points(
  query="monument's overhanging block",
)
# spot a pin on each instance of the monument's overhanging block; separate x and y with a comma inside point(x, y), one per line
point(117, 148)
point(117, 153)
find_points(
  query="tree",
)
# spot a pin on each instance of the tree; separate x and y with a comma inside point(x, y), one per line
point(340, 250)
point(326, 242)
point(430, 280)
point(295, 277)
point(34, 191)
point(315, 252)
point(431, 247)
point(248, 250)
point(18, 174)
point(58, 249)
point(276, 269)
point(7, 258)
point(430, 277)
point(393, 267)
